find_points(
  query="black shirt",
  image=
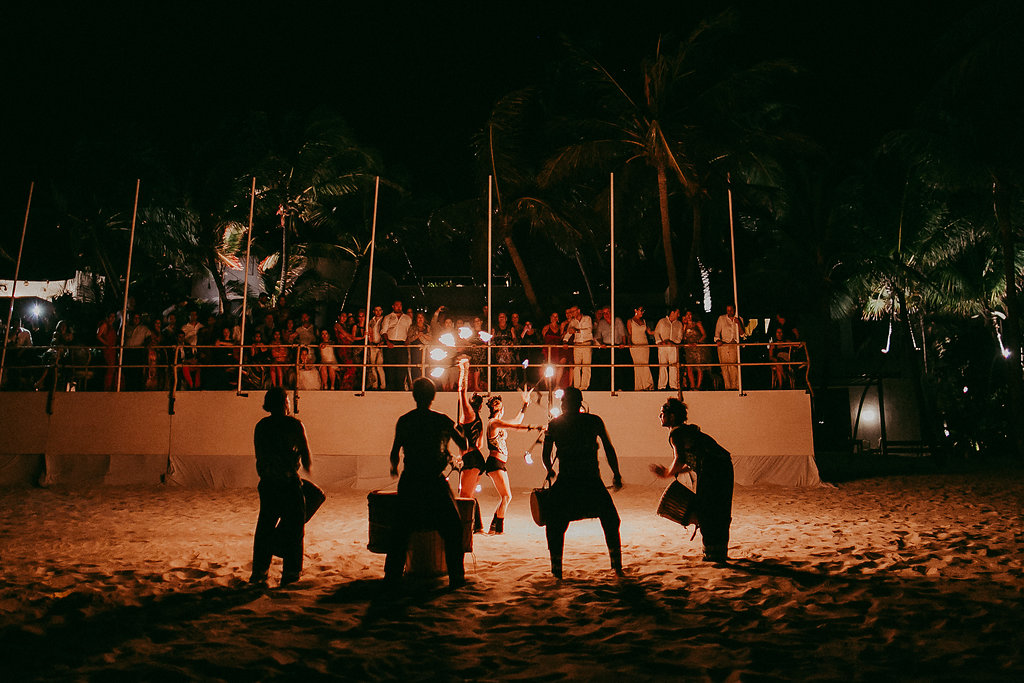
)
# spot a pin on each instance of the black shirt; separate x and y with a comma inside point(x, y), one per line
point(423, 436)
point(280, 442)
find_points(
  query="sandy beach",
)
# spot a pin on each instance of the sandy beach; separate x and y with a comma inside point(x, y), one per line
point(905, 577)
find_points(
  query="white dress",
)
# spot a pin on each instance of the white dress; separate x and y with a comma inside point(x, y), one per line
point(308, 378)
point(643, 380)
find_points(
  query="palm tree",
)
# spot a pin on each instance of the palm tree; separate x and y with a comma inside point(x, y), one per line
point(505, 148)
point(971, 141)
point(314, 167)
point(697, 114)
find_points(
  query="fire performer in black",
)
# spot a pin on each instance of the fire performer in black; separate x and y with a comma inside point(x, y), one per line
point(578, 492)
point(280, 443)
point(696, 452)
point(425, 500)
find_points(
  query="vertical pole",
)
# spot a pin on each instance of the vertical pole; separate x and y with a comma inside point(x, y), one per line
point(611, 313)
point(369, 284)
point(735, 289)
point(245, 286)
point(14, 286)
point(490, 273)
point(127, 285)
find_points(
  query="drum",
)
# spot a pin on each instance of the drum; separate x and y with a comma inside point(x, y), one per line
point(467, 510)
point(383, 513)
point(678, 503)
point(425, 556)
point(314, 497)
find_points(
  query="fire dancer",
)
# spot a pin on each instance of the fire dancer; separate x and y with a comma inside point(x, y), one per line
point(473, 429)
point(496, 464)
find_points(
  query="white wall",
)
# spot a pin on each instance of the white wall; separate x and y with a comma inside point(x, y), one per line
point(130, 437)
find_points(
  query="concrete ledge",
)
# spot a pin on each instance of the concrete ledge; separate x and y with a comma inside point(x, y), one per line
point(128, 438)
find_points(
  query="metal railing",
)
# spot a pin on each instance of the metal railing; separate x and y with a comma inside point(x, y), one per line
point(686, 367)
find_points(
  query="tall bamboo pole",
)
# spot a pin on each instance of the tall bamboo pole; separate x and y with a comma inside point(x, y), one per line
point(611, 312)
point(369, 284)
point(127, 285)
point(245, 286)
point(490, 272)
point(735, 288)
point(14, 285)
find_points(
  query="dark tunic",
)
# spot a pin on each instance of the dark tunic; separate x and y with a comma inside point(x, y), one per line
point(578, 492)
point(280, 444)
point(425, 500)
point(713, 466)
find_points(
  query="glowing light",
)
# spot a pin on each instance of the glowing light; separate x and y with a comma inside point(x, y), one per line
point(436, 373)
point(1007, 353)
point(478, 488)
point(485, 336)
point(888, 340)
point(526, 364)
point(36, 311)
point(448, 339)
point(559, 393)
point(965, 390)
point(705, 279)
point(465, 333)
point(438, 354)
point(869, 414)
point(555, 411)
point(529, 458)
point(549, 371)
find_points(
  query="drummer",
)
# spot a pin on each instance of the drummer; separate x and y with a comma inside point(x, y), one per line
point(695, 452)
point(579, 493)
point(425, 500)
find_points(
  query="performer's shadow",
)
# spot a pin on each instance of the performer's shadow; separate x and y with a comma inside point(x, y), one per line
point(387, 602)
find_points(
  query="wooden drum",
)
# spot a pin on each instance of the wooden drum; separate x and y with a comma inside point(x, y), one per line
point(383, 513)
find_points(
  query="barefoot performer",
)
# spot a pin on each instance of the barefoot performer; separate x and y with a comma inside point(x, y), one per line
point(578, 492)
point(696, 452)
point(424, 499)
point(496, 464)
point(280, 443)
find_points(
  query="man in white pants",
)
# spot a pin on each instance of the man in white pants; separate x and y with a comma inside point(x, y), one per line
point(580, 333)
point(374, 357)
point(728, 332)
point(668, 335)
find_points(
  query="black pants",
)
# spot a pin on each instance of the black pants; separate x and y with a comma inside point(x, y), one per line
point(396, 366)
point(582, 499)
point(714, 505)
point(281, 505)
point(426, 503)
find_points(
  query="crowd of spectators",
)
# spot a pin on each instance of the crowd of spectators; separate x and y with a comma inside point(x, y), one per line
point(181, 348)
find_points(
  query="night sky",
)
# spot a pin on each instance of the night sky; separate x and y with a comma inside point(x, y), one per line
point(413, 80)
